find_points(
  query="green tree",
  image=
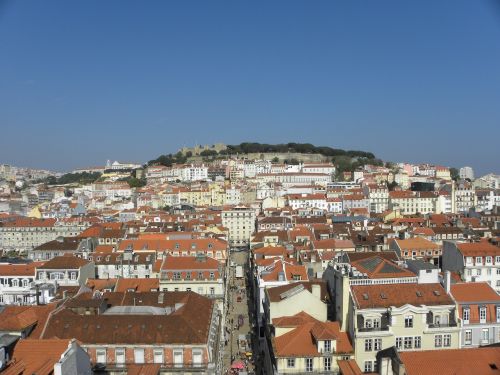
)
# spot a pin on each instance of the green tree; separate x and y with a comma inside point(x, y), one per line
point(454, 173)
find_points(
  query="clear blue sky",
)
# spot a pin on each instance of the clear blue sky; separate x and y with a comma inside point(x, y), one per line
point(82, 82)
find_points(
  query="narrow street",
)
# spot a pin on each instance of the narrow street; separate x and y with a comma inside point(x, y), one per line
point(241, 343)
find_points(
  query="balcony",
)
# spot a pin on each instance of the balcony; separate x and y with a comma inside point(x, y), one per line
point(373, 329)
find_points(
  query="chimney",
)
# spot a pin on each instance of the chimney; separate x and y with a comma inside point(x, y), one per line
point(316, 291)
point(447, 281)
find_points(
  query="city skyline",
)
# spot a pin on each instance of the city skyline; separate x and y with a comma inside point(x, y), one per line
point(83, 83)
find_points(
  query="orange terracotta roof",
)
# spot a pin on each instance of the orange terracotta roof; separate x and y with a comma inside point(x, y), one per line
point(138, 285)
point(377, 267)
point(473, 292)
point(19, 269)
point(64, 262)
point(349, 367)
point(37, 356)
point(452, 361)
point(300, 341)
point(416, 243)
point(478, 249)
point(376, 296)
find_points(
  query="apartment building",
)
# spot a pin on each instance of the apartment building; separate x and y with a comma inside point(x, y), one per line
point(474, 262)
point(176, 331)
point(23, 234)
point(65, 271)
point(202, 275)
point(478, 313)
point(417, 248)
point(378, 196)
point(17, 285)
point(412, 202)
point(127, 264)
point(411, 317)
point(240, 221)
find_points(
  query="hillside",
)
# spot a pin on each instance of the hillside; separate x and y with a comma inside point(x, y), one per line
point(247, 148)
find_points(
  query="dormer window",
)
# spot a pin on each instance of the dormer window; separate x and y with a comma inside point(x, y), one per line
point(176, 245)
point(328, 346)
point(489, 260)
point(482, 314)
point(466, 315)
point(98, 259)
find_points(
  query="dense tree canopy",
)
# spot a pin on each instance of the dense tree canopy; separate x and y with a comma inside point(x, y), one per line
point(71, 178)
point(253, 147)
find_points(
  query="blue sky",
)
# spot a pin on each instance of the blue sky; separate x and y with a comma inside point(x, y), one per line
point(82, 82)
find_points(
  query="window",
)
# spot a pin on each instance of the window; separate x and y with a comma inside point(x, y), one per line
point(447, 340)
point(328, 345)
point(377, 344)
point(409, 321)
point(466, 315)
point(212, 291)
point(188, 275)
point(178, 358)
point(489, 259)
point(158, 355)
point(438, 341)
point(73, 275)
point(485, 335)
point(482, 315)
point(212, 275)
point(197, 356)
point(497, 259)
point(468, 337)
point(418, 342)
point(408, 342)
point(290, 362)
point(479, 260)
point(25, 283)
point(327, 363)
point(309, 364)
point(368, 323)
point(498, 314)
point(177, 275)
point(368, 345)
point(139, 355)
point(399, 342)
point(100, 355)
point(15, 282)
point(120, 356)
point(368, 366)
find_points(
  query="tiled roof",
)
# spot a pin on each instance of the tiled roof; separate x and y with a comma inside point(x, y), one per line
point(416, 243)
point(349, 367)
point(482, 361)
point(300, 341)
point(139, 285)
point(478, 249)
point(377, 267)
point(189, 324)
point(19, 269)
point(473, 292)
point(36, 356)
point(64, 262)
point(275, 293)
point(376, 296)
point(65, 243)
